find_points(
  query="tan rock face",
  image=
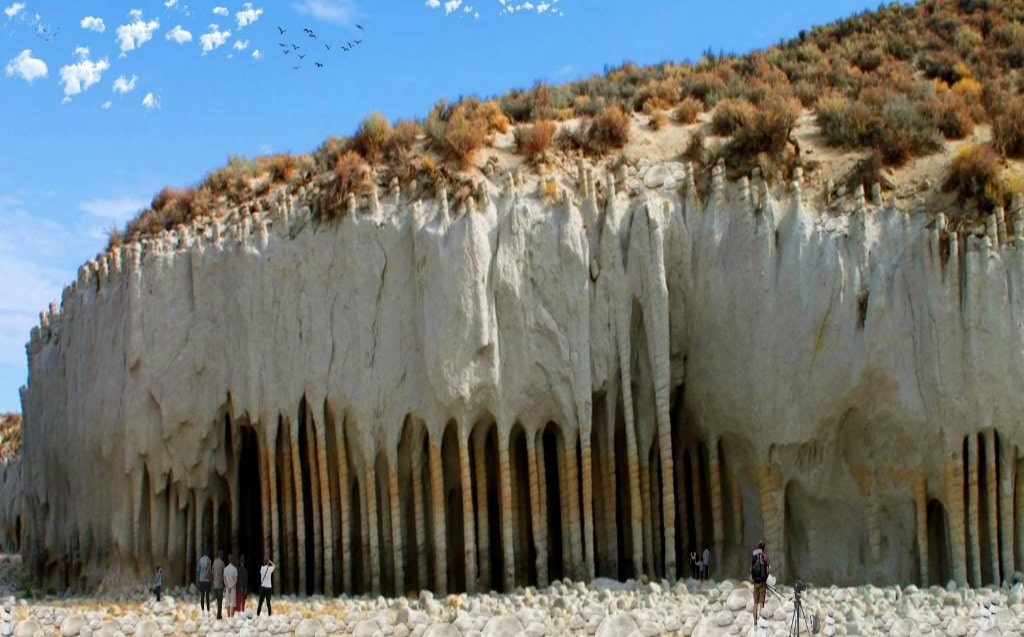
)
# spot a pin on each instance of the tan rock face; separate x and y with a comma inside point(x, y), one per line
point(525, 392)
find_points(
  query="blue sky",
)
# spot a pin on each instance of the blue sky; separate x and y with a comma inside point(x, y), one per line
point(103, 103)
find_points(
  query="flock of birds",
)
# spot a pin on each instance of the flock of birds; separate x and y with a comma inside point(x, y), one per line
point(291, 47)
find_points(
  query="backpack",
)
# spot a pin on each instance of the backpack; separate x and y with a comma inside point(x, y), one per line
point(758, 572)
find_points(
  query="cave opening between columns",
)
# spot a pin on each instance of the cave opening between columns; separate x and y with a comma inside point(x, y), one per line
point(356, 532)
point(207, 530)
point(250, 506)
point(410, 486)
point(491, 468)
point(455, 539)
point(552, 443)
point(623, 499)
point(939, 558)
point(525, 547)
point(306, 583)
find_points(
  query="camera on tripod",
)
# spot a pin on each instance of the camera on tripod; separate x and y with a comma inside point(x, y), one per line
point(798, 587)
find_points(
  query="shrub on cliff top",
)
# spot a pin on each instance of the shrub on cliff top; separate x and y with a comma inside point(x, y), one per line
point(609, 130)
point(974, 175)
point(373, 137)
point(533, 140)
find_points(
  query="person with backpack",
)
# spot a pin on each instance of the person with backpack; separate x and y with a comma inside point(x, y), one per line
point(759, 576)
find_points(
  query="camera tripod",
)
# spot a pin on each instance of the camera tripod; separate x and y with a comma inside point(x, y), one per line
point(799, 615)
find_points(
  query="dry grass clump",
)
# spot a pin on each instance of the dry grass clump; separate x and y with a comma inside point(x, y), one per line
point(352, 174)
point(731, 115)
point(975, 175)
point(1007, 124)
point(284, 167)
point(951, 115)
point(658, 120)
point(896, 125)
point(608, 130)
point(457, 131)
point(373, 137)
point(687, 110)
point(10, 436)
point(533, 140)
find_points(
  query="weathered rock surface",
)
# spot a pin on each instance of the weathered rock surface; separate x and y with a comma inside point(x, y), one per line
point(698, 374)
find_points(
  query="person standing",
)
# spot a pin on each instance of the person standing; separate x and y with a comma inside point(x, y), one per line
point(694, 568)
point(218, 581)
point(266, 586)
point(203, 576)
point(705, 563)
point(159, 582)
point(759, 575)
point(243, 584)
point(230, 584)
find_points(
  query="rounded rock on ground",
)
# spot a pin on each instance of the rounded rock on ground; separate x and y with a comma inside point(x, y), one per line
point(147, 628)
point(616, 625)
point(738, 598)
point(308, 628)
point(502, 626)
point(442, 630)
point(72, 625)
point(26, 628)
point(366, 628)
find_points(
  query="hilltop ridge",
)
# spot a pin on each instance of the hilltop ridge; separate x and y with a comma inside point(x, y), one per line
point(924, 99)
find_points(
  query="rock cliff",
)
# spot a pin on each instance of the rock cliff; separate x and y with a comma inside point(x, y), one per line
point(517, 388)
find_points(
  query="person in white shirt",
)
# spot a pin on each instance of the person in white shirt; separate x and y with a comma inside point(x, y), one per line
point(230, 582)
point(266, 586)
point(705, 563)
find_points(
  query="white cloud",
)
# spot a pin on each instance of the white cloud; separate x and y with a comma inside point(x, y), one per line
point(151, 101)
point(542, 7)
point(433, 4)
point(451, 6)
point(14, 9)
point(334, 11)
point(241, 45)
point(214, 39)
point(476, 15)
point(116, 209)
point(257, 55)
point(123, 85)
point(26, 67)
point(179, 35)
point(247, 15)
point(220, 11)
point(94, 24)
point(170, 3)
point(107, 105)
point(134, 35)
point(78, 77)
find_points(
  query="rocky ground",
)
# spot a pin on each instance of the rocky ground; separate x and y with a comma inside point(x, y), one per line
point(604, 608)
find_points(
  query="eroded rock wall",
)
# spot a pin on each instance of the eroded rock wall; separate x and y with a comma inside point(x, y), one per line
point(513, 390)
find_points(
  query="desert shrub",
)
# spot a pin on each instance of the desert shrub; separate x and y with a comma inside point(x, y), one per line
point(696, 149)
point(658, 120)
point(866, 172)
point(767, 128)
point(904, 131)
point(587, 106)
point(705, 86)
point(115, 238)
point(491, 113)
point(282, 167)
point(951, 115)
point(231, 181)
point(463, 136)
point(656, 95)
point(844, 122)
point(688, 110)
point(533, 140)
point(352, 174)
point(326, 156)
point(402, 139)
point(373, 137)
point(608, 130)
point(974, 175)
point(730, 115)
point(1008, 125)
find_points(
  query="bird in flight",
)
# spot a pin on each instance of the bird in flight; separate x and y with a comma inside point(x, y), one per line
point(296, 47)
point(360, 27)
point(296, 67)
point(286, 51)
point(359, 41)
point(281, 30)
point(282, 45)
point(319, 66)
point(328, 46)
point(301, 56)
